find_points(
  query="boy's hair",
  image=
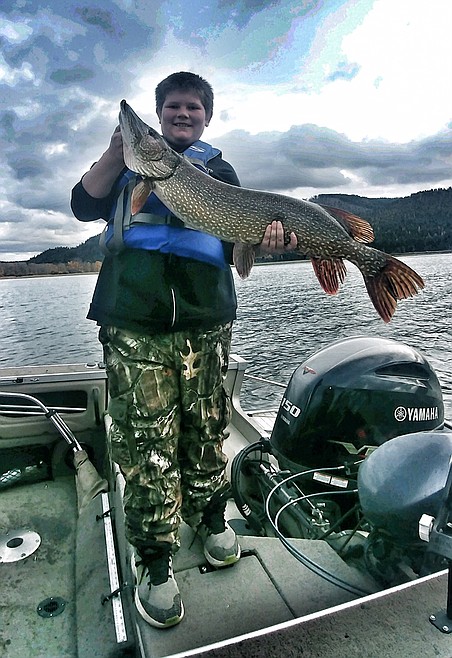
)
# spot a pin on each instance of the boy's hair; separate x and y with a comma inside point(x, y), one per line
point(185, 81)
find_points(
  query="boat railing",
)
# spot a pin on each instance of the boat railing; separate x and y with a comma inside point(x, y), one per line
point(264, 380)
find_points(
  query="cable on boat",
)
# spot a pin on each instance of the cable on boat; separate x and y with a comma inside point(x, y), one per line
point(263, 446)
point(299, 555)
point(264, 381)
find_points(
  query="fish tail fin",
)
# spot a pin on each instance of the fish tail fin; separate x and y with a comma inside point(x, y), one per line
point(243, 256)
point(330, 273)
point(395, 281)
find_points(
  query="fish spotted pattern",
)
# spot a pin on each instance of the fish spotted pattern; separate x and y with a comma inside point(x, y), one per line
point(239, 215)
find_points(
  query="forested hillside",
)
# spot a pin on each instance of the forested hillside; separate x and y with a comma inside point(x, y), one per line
point(420, 222)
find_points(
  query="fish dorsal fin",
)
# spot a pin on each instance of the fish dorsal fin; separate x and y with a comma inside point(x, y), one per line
point(140, 194)
point(358, 227)
point(330, 273)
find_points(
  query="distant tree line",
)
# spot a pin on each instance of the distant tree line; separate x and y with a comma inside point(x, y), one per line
point(87, 257)
point(27, 268)
point(418, 223)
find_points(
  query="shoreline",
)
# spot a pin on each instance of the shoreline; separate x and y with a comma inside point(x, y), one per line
point(256, 264)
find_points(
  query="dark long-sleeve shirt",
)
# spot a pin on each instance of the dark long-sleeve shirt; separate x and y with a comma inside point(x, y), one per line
point(152, 292)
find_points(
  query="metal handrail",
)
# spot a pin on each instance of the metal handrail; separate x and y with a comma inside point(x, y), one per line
point(52, 415)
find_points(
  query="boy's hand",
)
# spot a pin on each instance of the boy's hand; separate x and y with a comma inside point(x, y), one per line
point(99, 179)
point(114, 150)
point(273, 240)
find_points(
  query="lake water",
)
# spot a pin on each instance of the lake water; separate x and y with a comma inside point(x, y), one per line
point(283, 317)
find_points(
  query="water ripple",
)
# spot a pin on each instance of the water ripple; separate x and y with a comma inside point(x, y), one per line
point(296, 319)
point(283, 317)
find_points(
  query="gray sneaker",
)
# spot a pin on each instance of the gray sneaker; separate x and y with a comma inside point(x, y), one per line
point(221, 547)
point(157, 596)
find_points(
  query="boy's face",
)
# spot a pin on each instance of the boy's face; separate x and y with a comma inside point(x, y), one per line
point(183, 119)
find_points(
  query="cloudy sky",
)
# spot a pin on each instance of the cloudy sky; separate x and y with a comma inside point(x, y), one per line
point(311, 96)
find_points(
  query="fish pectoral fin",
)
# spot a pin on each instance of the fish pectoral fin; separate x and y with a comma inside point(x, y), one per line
point(243, 256)
point(356, 226)
point(330, 273)
point(140, 194)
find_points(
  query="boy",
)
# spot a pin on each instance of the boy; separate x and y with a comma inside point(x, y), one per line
point(165, 325)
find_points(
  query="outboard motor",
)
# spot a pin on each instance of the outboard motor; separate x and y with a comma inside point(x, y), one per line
point(399, 483)
point(352, 396)
point(341, 407)
point(404, 479)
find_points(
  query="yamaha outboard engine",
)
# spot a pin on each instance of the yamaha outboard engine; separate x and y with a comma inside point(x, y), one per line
point(340, 406)
point(399, 483)
point(352, 396)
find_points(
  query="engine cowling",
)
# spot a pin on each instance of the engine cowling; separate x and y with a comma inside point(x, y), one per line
point(351, 397)
point(404, 479)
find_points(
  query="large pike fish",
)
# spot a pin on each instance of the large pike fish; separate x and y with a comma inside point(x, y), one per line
point(240, 215)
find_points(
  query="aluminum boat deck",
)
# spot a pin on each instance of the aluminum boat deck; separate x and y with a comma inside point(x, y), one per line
point(60, 601)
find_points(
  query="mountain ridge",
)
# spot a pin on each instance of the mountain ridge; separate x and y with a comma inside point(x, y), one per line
point(420, 222)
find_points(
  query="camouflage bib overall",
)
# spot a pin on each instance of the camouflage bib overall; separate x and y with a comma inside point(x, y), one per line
point(169, 413)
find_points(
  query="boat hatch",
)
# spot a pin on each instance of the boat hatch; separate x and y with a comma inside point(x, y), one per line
point(17, 545)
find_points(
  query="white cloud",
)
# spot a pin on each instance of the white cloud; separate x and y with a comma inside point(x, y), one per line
point(12, 76)
point(322, 92)
point(13, 31)
point(402, 53)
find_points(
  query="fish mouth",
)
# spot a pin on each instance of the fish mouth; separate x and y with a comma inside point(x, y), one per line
point(128, 119)
point(127, 112)
point(142, 144)
point(131, 124)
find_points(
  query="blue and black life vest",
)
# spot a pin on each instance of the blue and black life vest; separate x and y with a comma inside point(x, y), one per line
point(155, 228)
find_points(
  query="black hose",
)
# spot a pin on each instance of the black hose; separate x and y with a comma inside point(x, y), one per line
point(299, 555)
point(320, 571)
point(262, 446)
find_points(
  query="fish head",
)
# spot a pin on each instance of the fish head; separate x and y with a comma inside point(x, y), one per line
point(145, 151)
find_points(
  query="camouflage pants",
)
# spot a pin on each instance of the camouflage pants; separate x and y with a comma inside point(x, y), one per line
point(169, 413)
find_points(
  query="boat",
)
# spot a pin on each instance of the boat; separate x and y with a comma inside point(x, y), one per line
point(299, 588)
